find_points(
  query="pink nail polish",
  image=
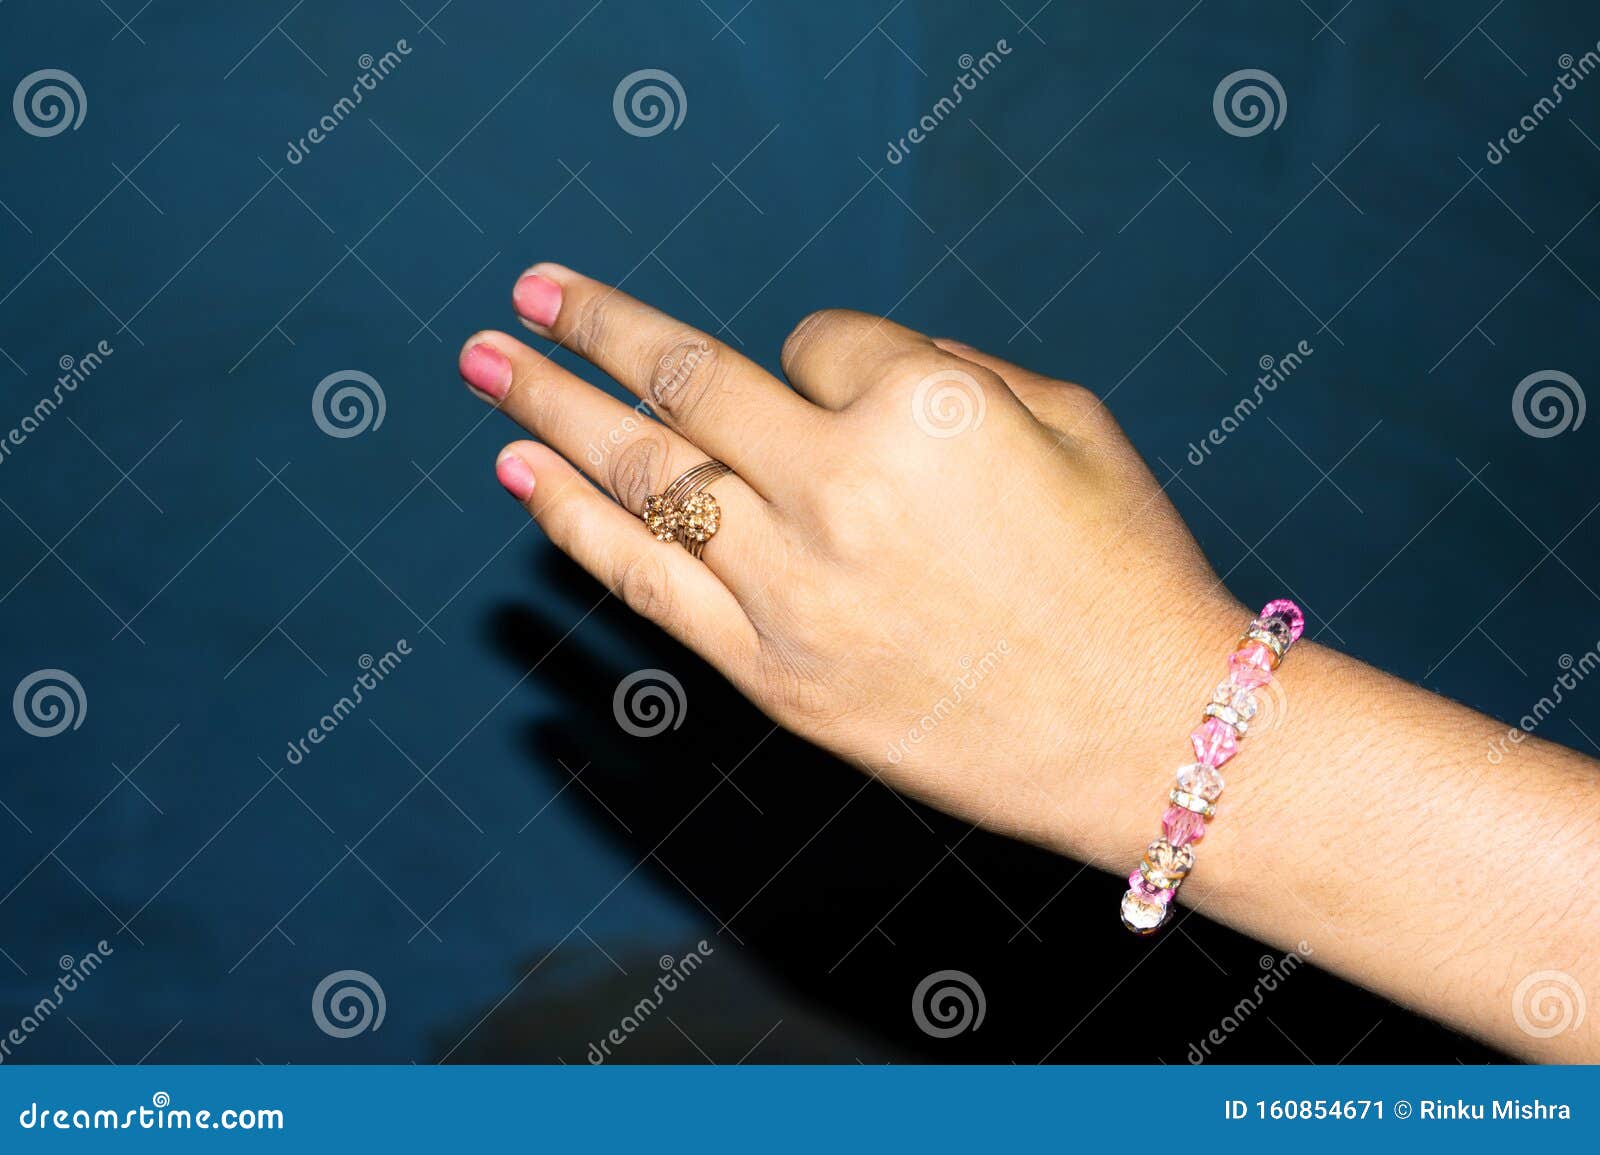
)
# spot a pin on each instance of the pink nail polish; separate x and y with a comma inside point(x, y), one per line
point(515, 474)
point(538, 299)
point(486, 369)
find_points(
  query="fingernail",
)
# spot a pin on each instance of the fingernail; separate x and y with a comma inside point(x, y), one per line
point(538, 299)
point(515, 474)
point(952, 343)
point(486, 369)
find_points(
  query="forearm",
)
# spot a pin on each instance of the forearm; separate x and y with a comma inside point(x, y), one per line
point(1371, 824)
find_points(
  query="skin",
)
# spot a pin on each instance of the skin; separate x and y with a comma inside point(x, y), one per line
point(883, 550)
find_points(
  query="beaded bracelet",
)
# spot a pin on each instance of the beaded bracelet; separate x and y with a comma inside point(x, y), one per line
point(1170, 858)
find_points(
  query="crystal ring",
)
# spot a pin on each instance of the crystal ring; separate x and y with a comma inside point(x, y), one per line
point(684, 512)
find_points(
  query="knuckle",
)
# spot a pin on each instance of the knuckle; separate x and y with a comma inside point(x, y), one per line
point(803, 336)
point(566, 517)
point(644, 586)
point(638, 470)
point(685, 370)
point(591, 326)
point(906, 371)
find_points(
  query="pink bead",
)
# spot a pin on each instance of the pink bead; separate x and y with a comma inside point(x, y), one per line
point(1214, 742)
point(1289, 612)
point(1182, 826)
point(1250, 665)
point(1137, 884)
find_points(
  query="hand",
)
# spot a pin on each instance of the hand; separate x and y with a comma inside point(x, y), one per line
point(959, 575)
point(950, 570)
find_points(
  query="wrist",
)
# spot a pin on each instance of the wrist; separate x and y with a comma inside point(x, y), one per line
point(1116, 783)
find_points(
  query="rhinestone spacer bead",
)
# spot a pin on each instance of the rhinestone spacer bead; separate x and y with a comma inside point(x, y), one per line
point(1259, 633)
point(1192, 802)
point(1229, 715)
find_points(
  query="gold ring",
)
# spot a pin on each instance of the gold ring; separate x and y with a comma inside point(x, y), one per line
point(684, 512)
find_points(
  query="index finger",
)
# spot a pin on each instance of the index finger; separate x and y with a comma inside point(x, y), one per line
point(719, 399)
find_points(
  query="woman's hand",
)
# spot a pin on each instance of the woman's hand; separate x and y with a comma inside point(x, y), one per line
point(938, 565)
point(960, 575)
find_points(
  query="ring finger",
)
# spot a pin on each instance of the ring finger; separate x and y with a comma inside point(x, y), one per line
point(630, 455)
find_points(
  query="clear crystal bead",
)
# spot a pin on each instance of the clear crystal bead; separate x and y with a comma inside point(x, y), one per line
point(1201, 780)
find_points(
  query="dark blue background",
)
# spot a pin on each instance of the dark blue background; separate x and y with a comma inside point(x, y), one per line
point(183, 538)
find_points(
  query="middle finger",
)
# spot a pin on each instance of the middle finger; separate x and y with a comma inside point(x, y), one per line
point(718, 399)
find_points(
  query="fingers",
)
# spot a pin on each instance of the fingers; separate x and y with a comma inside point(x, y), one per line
point(718, 399)
point(835, 355)
point(658, 582)
point(628, 453)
